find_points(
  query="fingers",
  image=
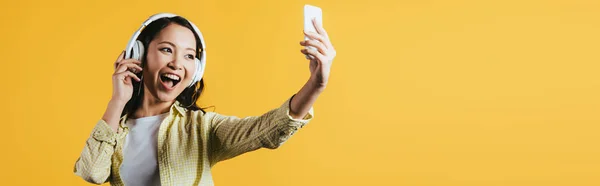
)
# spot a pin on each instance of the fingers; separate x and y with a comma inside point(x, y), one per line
point(314, 53)
point(323, 49)
point(128, 64)
point(319, 28)
point(315, 36)
point(125, 76)
point(319, 37)
point(316, 44)
point(121, 57)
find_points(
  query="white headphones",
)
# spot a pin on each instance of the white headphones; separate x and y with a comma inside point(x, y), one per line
point(135, 48)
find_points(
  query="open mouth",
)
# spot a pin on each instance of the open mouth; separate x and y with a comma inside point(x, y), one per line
point(170, 80)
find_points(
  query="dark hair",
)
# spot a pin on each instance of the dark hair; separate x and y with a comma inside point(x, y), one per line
point(190, 95)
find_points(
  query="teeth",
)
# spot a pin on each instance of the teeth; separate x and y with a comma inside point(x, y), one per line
point(171, 76)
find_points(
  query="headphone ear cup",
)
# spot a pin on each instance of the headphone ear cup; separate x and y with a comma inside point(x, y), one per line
point(197, 74)
point(137, 51)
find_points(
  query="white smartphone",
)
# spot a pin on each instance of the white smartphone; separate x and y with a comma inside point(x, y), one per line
point(310, 13)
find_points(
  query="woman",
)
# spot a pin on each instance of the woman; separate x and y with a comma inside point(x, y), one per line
point(153, 133)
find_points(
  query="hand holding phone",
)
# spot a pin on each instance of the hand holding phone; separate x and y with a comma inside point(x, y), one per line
point(318, 48)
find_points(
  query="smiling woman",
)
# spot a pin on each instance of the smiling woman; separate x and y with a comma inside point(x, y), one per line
point(157, 135)
point(173, 30)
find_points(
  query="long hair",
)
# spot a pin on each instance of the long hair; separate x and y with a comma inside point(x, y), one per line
point(187, 99)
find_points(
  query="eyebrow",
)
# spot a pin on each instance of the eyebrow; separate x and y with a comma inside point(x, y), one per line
point(174, 45)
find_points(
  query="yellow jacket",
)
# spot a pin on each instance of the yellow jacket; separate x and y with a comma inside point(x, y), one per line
point(189, 144)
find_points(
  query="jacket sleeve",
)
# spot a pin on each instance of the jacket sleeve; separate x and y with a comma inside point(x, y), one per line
point(94, 163)
point(231, 136)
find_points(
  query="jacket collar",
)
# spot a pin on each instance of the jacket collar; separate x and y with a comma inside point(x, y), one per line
point(174, 109)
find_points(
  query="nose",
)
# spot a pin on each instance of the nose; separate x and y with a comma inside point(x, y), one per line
point(176, 63)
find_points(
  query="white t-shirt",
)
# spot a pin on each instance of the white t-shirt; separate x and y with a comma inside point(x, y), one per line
point(140, 164)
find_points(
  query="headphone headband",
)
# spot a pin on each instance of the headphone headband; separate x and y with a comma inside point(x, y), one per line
point(152, 19)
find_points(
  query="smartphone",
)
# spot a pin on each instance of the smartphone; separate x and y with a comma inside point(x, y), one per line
point(310, 13)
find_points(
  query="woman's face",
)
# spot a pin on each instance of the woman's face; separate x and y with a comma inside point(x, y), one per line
point(170, 62)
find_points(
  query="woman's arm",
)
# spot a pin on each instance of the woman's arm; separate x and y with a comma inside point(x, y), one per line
point(231, 136)
point(94, 163)
point(122, 80)
point(320, 66)
point(112, 115)
point(304, 99)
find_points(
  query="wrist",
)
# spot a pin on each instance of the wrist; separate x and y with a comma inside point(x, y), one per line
point(113, 113)
point(115, 103)
point(316, 84)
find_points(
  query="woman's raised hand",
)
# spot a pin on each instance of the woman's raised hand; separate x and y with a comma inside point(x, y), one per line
point(323, 54)
point(125, 70)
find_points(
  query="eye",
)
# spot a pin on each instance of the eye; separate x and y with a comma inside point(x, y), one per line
point(190, 56)
point(166, 50)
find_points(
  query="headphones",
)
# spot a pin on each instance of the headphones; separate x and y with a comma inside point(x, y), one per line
point(135, 48)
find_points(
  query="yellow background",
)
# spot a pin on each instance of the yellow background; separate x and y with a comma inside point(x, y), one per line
point(425, 93)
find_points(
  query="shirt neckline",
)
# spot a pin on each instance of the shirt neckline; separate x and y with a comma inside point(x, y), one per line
point(147, 118)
